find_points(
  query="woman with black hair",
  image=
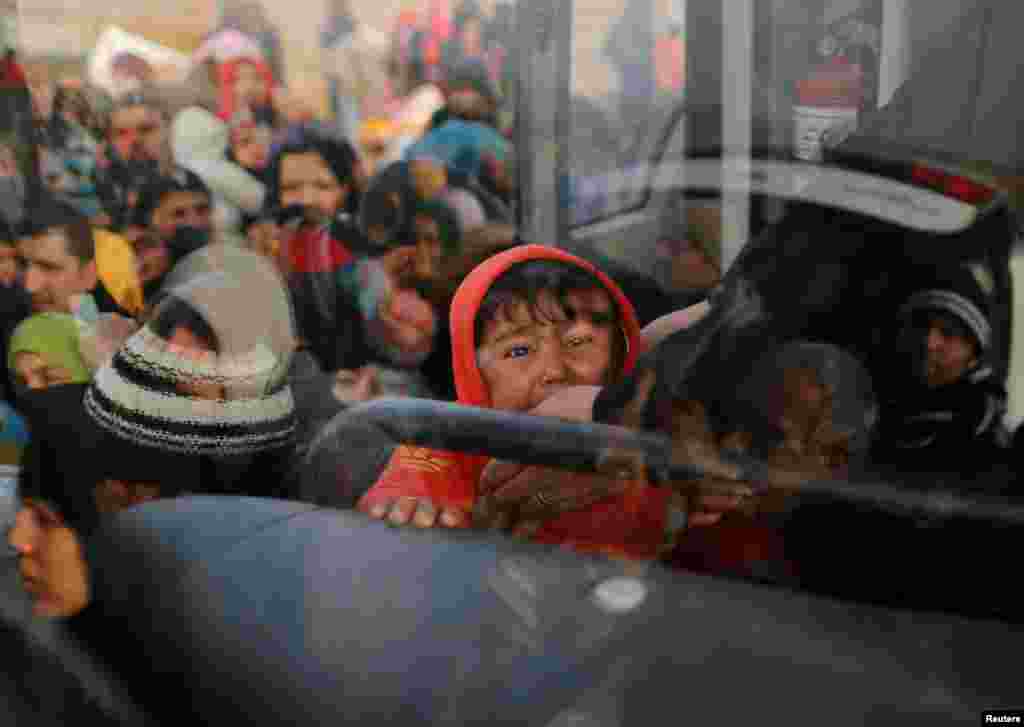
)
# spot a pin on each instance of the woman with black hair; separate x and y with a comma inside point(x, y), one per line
point(350, 306)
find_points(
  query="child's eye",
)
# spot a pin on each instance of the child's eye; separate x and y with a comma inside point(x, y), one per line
point(577, 341)
point(517, 351)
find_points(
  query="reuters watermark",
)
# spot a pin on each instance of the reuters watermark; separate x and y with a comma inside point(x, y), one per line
point(1003, 716)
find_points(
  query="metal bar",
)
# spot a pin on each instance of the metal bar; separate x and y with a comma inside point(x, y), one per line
point(737, 87)
point(894, 59)
point(543, 43)
point(585, 446)
point(543, 441)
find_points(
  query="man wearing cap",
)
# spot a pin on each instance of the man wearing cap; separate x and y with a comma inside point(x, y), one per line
point(945, 407)
point(172, 218)
point(197, 401)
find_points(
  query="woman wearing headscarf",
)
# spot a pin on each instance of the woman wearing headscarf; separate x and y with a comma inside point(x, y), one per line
point(45, 351)
point(73, 475)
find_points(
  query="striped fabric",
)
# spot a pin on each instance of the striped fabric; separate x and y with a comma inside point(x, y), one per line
point(957, 305)
point(142, 396)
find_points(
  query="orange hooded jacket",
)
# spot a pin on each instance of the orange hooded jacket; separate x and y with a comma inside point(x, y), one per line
point(632, 525)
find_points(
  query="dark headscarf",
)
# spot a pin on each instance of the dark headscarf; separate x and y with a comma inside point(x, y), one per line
point(69, 455)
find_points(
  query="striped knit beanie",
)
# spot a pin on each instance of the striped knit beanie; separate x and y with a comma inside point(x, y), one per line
point(957, 293)
point(225, 398)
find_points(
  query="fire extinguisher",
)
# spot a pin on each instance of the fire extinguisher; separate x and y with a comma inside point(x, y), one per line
point(828, 99)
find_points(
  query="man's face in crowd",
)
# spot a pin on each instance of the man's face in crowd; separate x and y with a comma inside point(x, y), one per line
point(950, 350)
point(53, 276)
point(138, 133)
point(526, 355)
point(307, 180)
point(50, 561)
point(181, 209)
point(176, 210)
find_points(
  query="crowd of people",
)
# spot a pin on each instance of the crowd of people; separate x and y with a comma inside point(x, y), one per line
point(194, 295)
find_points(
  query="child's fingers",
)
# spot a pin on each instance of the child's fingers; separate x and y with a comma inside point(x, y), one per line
point(402, 511)
point(453, 517)
point(425, 515)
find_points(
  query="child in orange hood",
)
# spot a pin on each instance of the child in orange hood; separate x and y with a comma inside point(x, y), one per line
point(526, 324)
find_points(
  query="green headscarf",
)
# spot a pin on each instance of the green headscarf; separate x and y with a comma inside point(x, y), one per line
point(55, 337)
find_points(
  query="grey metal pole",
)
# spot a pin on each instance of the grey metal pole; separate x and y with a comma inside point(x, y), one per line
point(543, 63)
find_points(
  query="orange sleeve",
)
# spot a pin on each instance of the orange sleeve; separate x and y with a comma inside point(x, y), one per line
point(433, 474)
